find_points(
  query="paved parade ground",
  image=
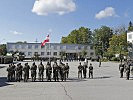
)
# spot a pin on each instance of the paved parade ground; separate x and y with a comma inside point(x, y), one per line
point(106, 85)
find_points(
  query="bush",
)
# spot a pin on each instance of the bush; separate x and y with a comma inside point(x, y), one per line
point(115, 59)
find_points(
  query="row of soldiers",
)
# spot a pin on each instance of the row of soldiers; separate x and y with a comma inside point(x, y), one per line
point(126, 68)
point(60, 71)
point(83, 69)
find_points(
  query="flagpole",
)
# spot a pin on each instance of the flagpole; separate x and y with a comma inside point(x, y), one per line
point(49, 49)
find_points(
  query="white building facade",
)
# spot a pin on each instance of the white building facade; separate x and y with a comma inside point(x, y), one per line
point(50, 50)
point(130, 40)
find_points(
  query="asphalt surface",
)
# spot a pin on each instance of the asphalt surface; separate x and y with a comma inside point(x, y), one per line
point(106, 85)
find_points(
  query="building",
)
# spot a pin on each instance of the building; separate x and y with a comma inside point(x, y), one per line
point(51, 50)
point(130, 40)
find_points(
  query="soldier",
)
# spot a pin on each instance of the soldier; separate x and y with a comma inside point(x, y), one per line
point(85, 69)
point(33, 71)
point(41, 71)
point(48, 71)
point(90, 71)
point(67, 69)
point(10, 73)
point(80, 68)
point(18, 72)
point(55, 71)
point(62, 71)
point(21, 70)
point(13, 67)
point(121, 69)
point(26, 69)
point(127, 71)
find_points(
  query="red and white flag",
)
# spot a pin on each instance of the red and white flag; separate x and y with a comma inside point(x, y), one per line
point(45, 41)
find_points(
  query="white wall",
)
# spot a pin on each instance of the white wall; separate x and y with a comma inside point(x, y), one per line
point(130, 37)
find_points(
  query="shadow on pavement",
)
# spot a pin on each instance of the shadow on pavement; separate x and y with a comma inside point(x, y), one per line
point(2, 67)
point(3, 82)
point(103, 77)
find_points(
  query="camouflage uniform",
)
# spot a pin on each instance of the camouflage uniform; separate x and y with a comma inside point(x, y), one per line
point(13, 67)
point(55, 72)
point(33, 72)
point(41, 71)
point(67, 69)
point(91, 71)
point(48, 71)
point(21, 71)
point(18, 72)
point(10, 73)
point(85, 69)
point(62, 71)
point(121, 69)
point(80, 68)
point(26, 72)
point(127, 72)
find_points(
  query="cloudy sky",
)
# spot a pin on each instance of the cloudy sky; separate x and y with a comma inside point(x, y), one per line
point(26, 20)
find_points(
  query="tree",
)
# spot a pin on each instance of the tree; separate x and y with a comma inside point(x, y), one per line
point(80, 36)
point(84, 53)
point(130, 26)
point(101, 39)
point(3, 49)
point(118, 45)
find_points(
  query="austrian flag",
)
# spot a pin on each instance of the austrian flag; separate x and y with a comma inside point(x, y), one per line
point(45, 41)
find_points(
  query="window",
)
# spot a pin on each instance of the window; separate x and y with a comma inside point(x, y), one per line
point(92, 53)
point(29, 53)
point(55, 47)
point(29, 46)
point(36, 46)
point(61, 47)
point(130, 36)
point(79, 47)
point(42, 53)
point(16, 46)
point(48, 53)
point(23, 46)
point(55, 53)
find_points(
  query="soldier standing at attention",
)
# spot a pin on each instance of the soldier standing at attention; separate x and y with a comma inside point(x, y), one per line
point(33, 71)
point(90, 71)
point(41, 71)
point(121, 69)
point(85, 69)
point(25, 69)
point(67, 69)
point(18, 72)
point(10, 73)
point(127, 71)
point(21, 70)
point(80, 67)
point(55, 71)
point(48, 71)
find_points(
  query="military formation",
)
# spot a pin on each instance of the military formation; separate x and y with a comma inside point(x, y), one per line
point(82, 70)
point(19, 72)
point(127, 68)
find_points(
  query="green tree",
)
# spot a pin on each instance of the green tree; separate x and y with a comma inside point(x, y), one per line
point(118, 45)
point(130, 26)
point(80, 36)
point(3, 49)
point(101, 39)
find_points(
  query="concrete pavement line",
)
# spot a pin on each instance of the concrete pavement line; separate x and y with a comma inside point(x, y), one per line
point(66, 91)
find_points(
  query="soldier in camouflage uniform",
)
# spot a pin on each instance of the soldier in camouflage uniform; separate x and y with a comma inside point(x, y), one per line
point(41, 71)
point(55, 71)
point(62, 71)
point(13, 67)
point(18, 72)
point(80, 68)
point(85, 69)
point(25, 70)
point(127, 69)
point(121, 69)
point(33, 71)
point(90, 71)
point(67, 69)
point(21, 70)
point(48, 71)
point(10, 73)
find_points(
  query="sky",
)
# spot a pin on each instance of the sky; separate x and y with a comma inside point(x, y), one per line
point(28, 20)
